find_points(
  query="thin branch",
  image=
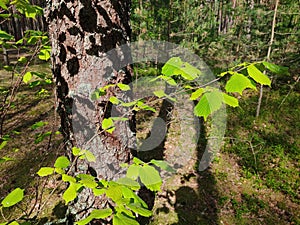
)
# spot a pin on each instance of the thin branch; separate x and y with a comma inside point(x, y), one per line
point(16, 86)
point(292, 88)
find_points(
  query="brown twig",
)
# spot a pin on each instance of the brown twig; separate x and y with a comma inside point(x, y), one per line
point(15, 87)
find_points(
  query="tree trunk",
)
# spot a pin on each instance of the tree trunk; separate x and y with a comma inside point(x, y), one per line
point(5, 56)
point(82, 32)
point(15, 25)
point(250, 5)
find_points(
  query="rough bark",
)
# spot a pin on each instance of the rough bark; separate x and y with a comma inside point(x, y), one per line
point(81, 33)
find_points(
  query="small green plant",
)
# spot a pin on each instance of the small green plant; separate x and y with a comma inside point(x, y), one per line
point(122, 192)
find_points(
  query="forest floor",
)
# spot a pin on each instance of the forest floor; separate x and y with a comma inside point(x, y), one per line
point(254, 178)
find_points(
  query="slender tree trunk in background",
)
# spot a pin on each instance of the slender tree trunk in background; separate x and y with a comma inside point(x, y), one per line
point(169, 22)
point(81, 33)
point(5, 56)
point(231, 16)
point(220, 17)
point(250, 4)
point(268, 56)
point(16, 25)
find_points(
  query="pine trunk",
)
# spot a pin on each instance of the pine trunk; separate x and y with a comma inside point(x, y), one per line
point(82, 33)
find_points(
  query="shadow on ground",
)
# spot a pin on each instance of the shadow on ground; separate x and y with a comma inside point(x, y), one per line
point(197, 206)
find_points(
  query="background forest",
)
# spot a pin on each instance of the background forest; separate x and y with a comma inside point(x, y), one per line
point(254, 179)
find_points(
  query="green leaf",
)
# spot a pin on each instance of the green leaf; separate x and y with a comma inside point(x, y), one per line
point(124, 165)
point(163, 165)
point(108, 86)
point(101, 213)
point(119, 118)
point(76, 151)
point(13, 198)
point(133, 171)
point(123, 219)
point(98, 191)
point(169, 80)
point(258, 76)
point(41, 136)
point(34, 83)
point(175, 66)
point(238, 83)
point(5, 15)
point(62, 162)
point(120, 208)
point(2, 145)
point(150, 177)
point(230, 100)
point(123, 87)
point(95, 214)
point(189, 72)
point(14, 223)
point(87, 180)
point(138, 208)
point(171, 98)
point(2, 5)
point(59, 171)
point(188, 87)
point(128, 193)
point(159, 93)
point(275, 68)
point(44, 54)
point(20, 42)
point(32, 11)
point(5, 159)
point(114, 100)
point(129, 104)
point(129, 183)
point(48, 81)
point(71, 193)
point(67, 178)
point(40, 75)
point(6, 137)
point(97, 93)
point(171, 66)
point(197, 94)
point(114, 192)
point(84, 221)
point(16, 132)
point(88, 183)
point(45, 171)
point(22, 60)
point(223, 74)
point(9, 68)
point(209, 103)
point(137, 161)
point(84, 154)
point(32, 40)
point(27, 77)
point(104, 183)
point(142, 105)
point(108, 125)
point(5, 36)
point(90, 157)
